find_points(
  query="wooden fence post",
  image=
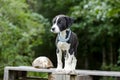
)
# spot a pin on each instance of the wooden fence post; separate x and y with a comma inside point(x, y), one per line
point(6, 74)
point(13, 73)
point(84, 77)
point(68, 77)
point(63, 77)
point(73, 77)
point(50, 76)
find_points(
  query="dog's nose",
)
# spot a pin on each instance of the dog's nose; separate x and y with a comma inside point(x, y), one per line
point(53, 29)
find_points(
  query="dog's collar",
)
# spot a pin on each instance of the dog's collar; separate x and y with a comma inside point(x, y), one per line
point(60, 38)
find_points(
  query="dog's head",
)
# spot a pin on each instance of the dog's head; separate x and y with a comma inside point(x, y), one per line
point(60, 23)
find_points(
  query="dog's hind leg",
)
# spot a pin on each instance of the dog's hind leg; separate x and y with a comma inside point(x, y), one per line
point(74, 62)
point(68, 62)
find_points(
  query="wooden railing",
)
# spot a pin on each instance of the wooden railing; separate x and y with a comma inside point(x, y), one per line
point(20, 73)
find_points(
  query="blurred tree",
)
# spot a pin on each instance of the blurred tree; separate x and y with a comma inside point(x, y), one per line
point(25, 34)
point(50, 8)
point(101, 19)
point(20, 31)
point(97, 26)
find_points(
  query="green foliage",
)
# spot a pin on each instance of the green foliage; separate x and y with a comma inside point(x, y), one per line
point(50, 8)
point(97, 10)
point(20, 31)
point(38, 74)
point(24, 34)
point(108, 78)
point(99, 31)
point(96, 24)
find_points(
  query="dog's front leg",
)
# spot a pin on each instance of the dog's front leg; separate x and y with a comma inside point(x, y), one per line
point(59, 61)
point(68, 62)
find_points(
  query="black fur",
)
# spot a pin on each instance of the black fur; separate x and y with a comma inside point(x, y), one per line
point(66, 41)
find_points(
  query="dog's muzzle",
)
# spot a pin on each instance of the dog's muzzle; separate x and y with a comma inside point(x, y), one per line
point(55, 29)
point(52, 29)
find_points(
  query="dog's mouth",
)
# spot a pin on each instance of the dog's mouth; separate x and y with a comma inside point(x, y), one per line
point(54, 30)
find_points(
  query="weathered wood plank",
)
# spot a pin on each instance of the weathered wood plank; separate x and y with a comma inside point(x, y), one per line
point(61, 77)
point(74, 77)
point(50, 76)
point(7, 73)
point(71, 77)
point(98, 73)
point(29, 68)
point(84, 77)
point(78, 72)
point(93, 73)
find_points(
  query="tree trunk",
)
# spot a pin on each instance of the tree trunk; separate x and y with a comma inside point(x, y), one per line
point(86, 62)
point(111, 53)
point(103, 57)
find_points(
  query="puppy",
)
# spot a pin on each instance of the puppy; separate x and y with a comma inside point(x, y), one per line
point(66, 43)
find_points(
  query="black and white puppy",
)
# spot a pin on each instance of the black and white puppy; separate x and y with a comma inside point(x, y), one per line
point(66, 42)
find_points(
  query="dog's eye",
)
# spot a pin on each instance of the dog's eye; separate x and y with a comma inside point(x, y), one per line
point(59, 21)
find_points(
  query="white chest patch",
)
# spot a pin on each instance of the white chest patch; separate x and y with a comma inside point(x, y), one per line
point(63, 46)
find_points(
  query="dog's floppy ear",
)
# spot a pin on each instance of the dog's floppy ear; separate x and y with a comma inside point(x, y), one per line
point(69, 21)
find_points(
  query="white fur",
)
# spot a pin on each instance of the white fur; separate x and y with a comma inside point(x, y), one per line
point(59, 62)
point(63, 33)
point(70, 60)
point(74, 62)
point(55, 26)
point(70, 63)
point(61, 46)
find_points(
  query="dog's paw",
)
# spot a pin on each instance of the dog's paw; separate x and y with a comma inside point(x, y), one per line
point(59, 70)
point(69, 71)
